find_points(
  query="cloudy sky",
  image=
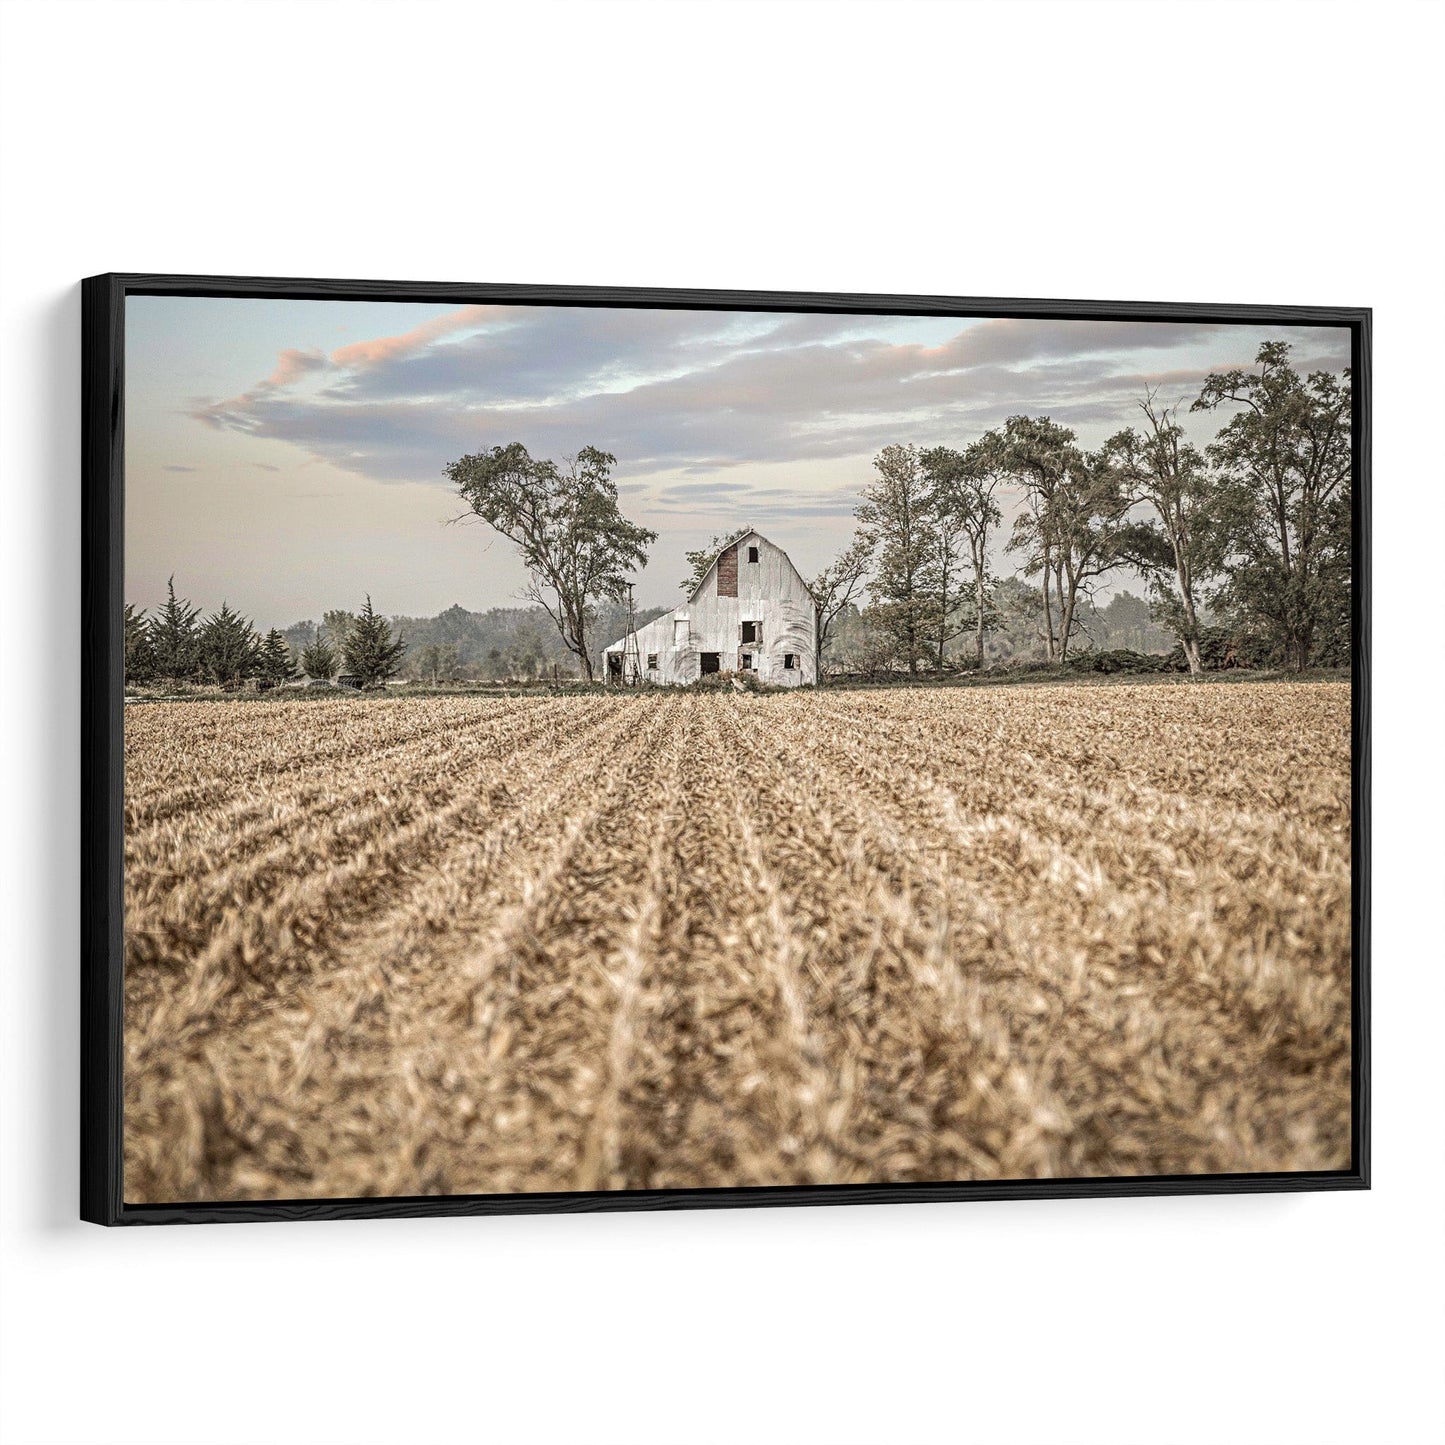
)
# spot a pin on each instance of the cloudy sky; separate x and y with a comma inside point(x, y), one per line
point(287, 456)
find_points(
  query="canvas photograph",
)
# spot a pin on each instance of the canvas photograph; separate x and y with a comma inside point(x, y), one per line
point(584, 749)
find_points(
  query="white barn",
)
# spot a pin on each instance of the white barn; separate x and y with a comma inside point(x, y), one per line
point(751, 612)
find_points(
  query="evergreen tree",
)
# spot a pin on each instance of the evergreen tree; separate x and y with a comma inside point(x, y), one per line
point(175, 638)
point(140, 658)
point(229, 648)
point(318, 658)
point(276, 662)
point(372, 652)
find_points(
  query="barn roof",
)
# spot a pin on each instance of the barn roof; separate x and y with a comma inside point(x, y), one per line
point(740, 538)
point(736, 542)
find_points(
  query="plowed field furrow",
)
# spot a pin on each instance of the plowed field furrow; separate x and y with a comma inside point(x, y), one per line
point(255, 945)
point(260, 812)
point(1118, 840)
point(461, 979)
point(668, 941)
point(164, 780)
point(1180, 998)
point(1203, 743)
point(729, 1083)
point(886, 982)
point(986, 779)
point(392, 986)
point(182, 904)
point(445, 997)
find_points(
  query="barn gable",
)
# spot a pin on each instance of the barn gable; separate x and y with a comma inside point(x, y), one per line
point(751, 611)
point(721, 577)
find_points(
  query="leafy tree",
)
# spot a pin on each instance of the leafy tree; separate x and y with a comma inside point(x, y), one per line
point(1127, 620)
point(1040, 453)
point(436, 662)
point(575, 543)
point(1159, 467)
point(275, 662)
point(699, 562)
point(1018, 633)
point(896, 516)
point(337, 626)
point(175, 637)
point(1285, 460)
point(944, 576)
point(531, 658)
point(372, 652)
point(229, 648)
point(1074, 529)
point(318, 657)
point(140, 658)
point(964, 484)
point(835, 589)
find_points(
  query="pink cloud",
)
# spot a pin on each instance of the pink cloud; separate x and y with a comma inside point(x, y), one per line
point(386, 348)
point(292, 363)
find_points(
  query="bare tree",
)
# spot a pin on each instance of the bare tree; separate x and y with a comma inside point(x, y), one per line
point(836, 587)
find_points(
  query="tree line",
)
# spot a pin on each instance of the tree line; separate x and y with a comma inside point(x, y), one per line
point(177, 645)
point(1249, 537)
point(1253, 532)
point(511, 643)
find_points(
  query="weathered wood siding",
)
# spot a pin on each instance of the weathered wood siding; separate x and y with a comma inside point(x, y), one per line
point(727, 572)
point(768, 592)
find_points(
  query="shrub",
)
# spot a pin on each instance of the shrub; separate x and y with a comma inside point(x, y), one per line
point(1119, 659)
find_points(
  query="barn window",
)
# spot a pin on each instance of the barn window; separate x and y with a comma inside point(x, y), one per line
point(790, 661)
point(752, 631)
point(752, 554)
point(747, 662)
point(679, 631)
point(652, 662)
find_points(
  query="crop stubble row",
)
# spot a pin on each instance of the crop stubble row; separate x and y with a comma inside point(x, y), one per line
point(457, 945)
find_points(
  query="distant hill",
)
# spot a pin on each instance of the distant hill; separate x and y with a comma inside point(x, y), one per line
point(502, 643)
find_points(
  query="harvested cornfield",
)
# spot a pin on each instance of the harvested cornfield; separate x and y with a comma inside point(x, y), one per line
point(416, 946)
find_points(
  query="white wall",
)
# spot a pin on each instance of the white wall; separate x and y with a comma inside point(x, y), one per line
point(1267, 154)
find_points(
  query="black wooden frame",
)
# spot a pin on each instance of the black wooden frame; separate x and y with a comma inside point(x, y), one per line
point(102, 640)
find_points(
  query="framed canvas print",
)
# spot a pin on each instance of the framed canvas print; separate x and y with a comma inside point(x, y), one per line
point(559, 748)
